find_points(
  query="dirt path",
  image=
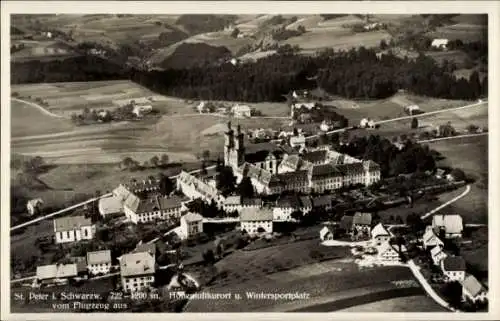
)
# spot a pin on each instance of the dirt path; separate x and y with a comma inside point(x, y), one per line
point(41, 108)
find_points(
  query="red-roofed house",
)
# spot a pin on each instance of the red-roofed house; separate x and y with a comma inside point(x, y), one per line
point(453, 268)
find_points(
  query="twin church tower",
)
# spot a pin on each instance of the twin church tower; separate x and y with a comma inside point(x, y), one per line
point(234, 148)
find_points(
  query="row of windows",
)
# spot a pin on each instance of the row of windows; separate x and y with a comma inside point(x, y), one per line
point(72, 234)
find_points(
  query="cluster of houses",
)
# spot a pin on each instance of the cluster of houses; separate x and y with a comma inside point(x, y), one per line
point(453, 267)
point(238, 110)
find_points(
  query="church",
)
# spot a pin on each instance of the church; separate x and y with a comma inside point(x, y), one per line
point(273, 169)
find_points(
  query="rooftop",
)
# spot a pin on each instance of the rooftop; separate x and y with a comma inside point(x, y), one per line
point(53, 271)
point(192, 217)
point(472, 285)
point(137, 264)
point(362, 219)
point(98, 257)
point(70, 223)
point(263, 214)
point(110, 205)
point(454, 263)
point(380, 230)
point(452, 223)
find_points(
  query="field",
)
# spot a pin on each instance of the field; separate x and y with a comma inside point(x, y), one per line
point(67, 98)
point(28, 121)
point(332, 279)
point(466, 32)
point(471, 155)
point(42, 50)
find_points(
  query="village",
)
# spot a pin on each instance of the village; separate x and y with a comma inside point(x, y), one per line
point(258, 191)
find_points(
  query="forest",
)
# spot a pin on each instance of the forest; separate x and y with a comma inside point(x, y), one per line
point(357, 73)
point(353, 74)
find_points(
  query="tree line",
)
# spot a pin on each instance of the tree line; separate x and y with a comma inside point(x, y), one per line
point(357, 73)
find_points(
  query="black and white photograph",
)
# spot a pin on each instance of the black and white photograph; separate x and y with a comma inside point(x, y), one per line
point(204, 162)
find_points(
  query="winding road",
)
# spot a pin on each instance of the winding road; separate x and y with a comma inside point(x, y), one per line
point(465, 192)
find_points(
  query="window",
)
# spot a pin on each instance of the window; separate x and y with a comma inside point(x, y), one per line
point(67, 234)
point(85, 232)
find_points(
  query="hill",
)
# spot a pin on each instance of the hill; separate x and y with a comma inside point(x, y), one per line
point(189, 55)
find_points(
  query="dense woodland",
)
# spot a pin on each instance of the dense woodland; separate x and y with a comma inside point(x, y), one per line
point(352, 74)
point(189, 55)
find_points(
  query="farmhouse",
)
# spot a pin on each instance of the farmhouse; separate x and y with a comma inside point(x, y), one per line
point(149, 248)
point(430, 239)
point(437, 255)
point(440, 43)
point(99, 262)
point(367, 123)
point(346, 223)
point(73, 229)
point(140, 110)
point(380, 234)
point(191, 225)
point(453, 268)
point(285, 206)
point(298, 141)
point(473, 290)
point(137, 271)
point(450, 225)
point(257, 221)
point(326, 233)
point(389, 253)
point(241, 111)
point(361, 222)
point(154, 208)
point(55, 273)
point(411, 109)
point(34, 206)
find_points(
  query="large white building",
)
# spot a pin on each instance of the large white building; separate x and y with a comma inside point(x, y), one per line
point(191, 225)
point(137, 271)
point(241, 111)
point(473, 290)
point(73, 229)
point(99, 262)
point(55, 273)
point(153, 208)
point(451, 225)
point(257, 221)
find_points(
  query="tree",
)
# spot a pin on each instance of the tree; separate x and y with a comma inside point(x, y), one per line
point(164, 159)
point(205, 155)
point(235, 33)
point(383, 44)
point(245, 188)
point(301, 29)
point(414, 123)
point(154, 161)
point(203, 168)
point(208, 257)
point(166, 184)
point(297, 215)
point(226, 181)
point(472, 128)
point(458, 174)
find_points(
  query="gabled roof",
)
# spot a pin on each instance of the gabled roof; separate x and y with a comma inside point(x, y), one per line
point(322, 200)
point(324, 170)
point(145, 248)
point(472, 285)
point(98, 257)
point(388, 247)
point(132, 202)
point(35, 202)
point(233, 200)
point(192, 217)
point(255, 201)
point(380, 230)
point(351, 168)
point(288, 201)
point(371, 165)
point(292, 161)
point(429, 236)
point(59, 271)
point(169, 202)
point(262, 214)
point(137, 264)
point(454, 263)
point(362, 219)
point(437, 250)
point(70, 223)
point(286, 178)
point(305, 202)
point(110, 205)
point(452, 223)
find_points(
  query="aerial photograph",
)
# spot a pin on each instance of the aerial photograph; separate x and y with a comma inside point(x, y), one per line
point(198, 163)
